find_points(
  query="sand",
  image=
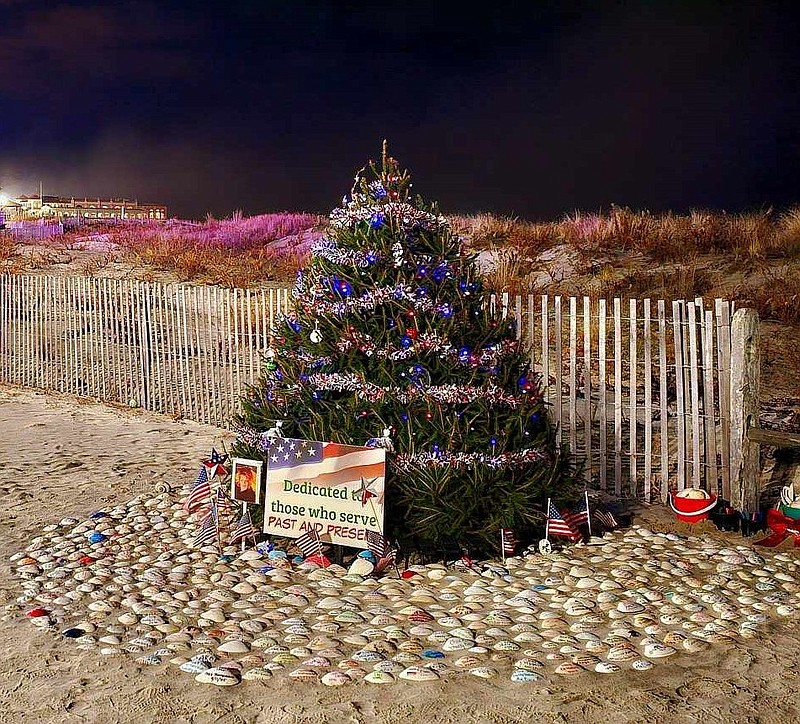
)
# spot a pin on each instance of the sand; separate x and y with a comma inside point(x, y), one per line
point(62, 456)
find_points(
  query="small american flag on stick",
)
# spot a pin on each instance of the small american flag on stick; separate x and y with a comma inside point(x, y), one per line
point(579, 514)
point(309, 543)
point(556, 525)
point(508, 541)
point(199, 493)
point(605, 518)
point(378, 544)
point(208, 532)
point(244, 529)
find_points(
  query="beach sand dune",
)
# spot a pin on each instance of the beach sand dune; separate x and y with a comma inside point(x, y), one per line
point(61, 456)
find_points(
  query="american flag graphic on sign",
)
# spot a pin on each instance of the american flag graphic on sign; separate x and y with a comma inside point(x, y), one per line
point(556, 525)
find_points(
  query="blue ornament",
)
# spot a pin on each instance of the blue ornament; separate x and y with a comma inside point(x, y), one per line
point(404, 417)
point(463, 354)
point(377, 190)
point(371, 257)
point(344, 288)
point(422, 270)
point(96, 537)
point(377, 220)
point(406, 341)
point(493, 441)
point(432, 654)
point(439, 273)
point(294, 324)
point(98, 514)
point(446, 310)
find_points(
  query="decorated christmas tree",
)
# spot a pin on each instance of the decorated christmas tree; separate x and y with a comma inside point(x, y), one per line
point(391, 336)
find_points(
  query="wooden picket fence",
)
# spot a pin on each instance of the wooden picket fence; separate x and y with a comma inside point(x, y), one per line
point(640, 390)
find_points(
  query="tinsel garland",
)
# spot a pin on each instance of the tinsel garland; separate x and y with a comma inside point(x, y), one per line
point(328, 249)
point(407, 463)
point(405, 216)
point(518, 458)
point(368, 301)
point(448, 394)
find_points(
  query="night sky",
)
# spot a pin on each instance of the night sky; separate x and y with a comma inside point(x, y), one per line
point(528, 109)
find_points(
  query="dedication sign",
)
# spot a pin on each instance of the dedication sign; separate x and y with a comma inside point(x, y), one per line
point(337, 490)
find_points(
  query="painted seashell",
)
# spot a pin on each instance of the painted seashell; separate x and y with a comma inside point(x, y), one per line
point(218, 676)
point(658, 650)
point(194, 667)
point(234, 647)
point(259, 673)
point(335, 678)
point(567, 668)
point(621, 652)
point(641, 665)
point(484, 672)
point(525, 676)
point(454, 643)
point(379, 677)
point(419, 673)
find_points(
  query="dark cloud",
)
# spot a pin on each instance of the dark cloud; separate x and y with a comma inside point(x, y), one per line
point(529, 109)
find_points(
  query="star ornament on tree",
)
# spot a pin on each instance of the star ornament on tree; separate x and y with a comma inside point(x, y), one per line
point(365, 492)
point(214, 465)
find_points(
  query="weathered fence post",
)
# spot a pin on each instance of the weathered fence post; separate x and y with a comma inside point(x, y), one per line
point(744, 387)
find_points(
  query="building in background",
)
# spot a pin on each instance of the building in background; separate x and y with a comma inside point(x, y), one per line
point(62, 208)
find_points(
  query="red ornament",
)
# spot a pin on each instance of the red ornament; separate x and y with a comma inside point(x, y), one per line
point(429, 415)
point(37, 613)
point(412, 333)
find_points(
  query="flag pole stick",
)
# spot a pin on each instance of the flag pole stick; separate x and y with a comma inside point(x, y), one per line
point(244, 513)
point(588, 512)
point(215, 511)
point(503, 545)
point(547, 522)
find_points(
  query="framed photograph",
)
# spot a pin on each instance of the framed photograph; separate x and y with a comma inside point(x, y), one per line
point(246, 480)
